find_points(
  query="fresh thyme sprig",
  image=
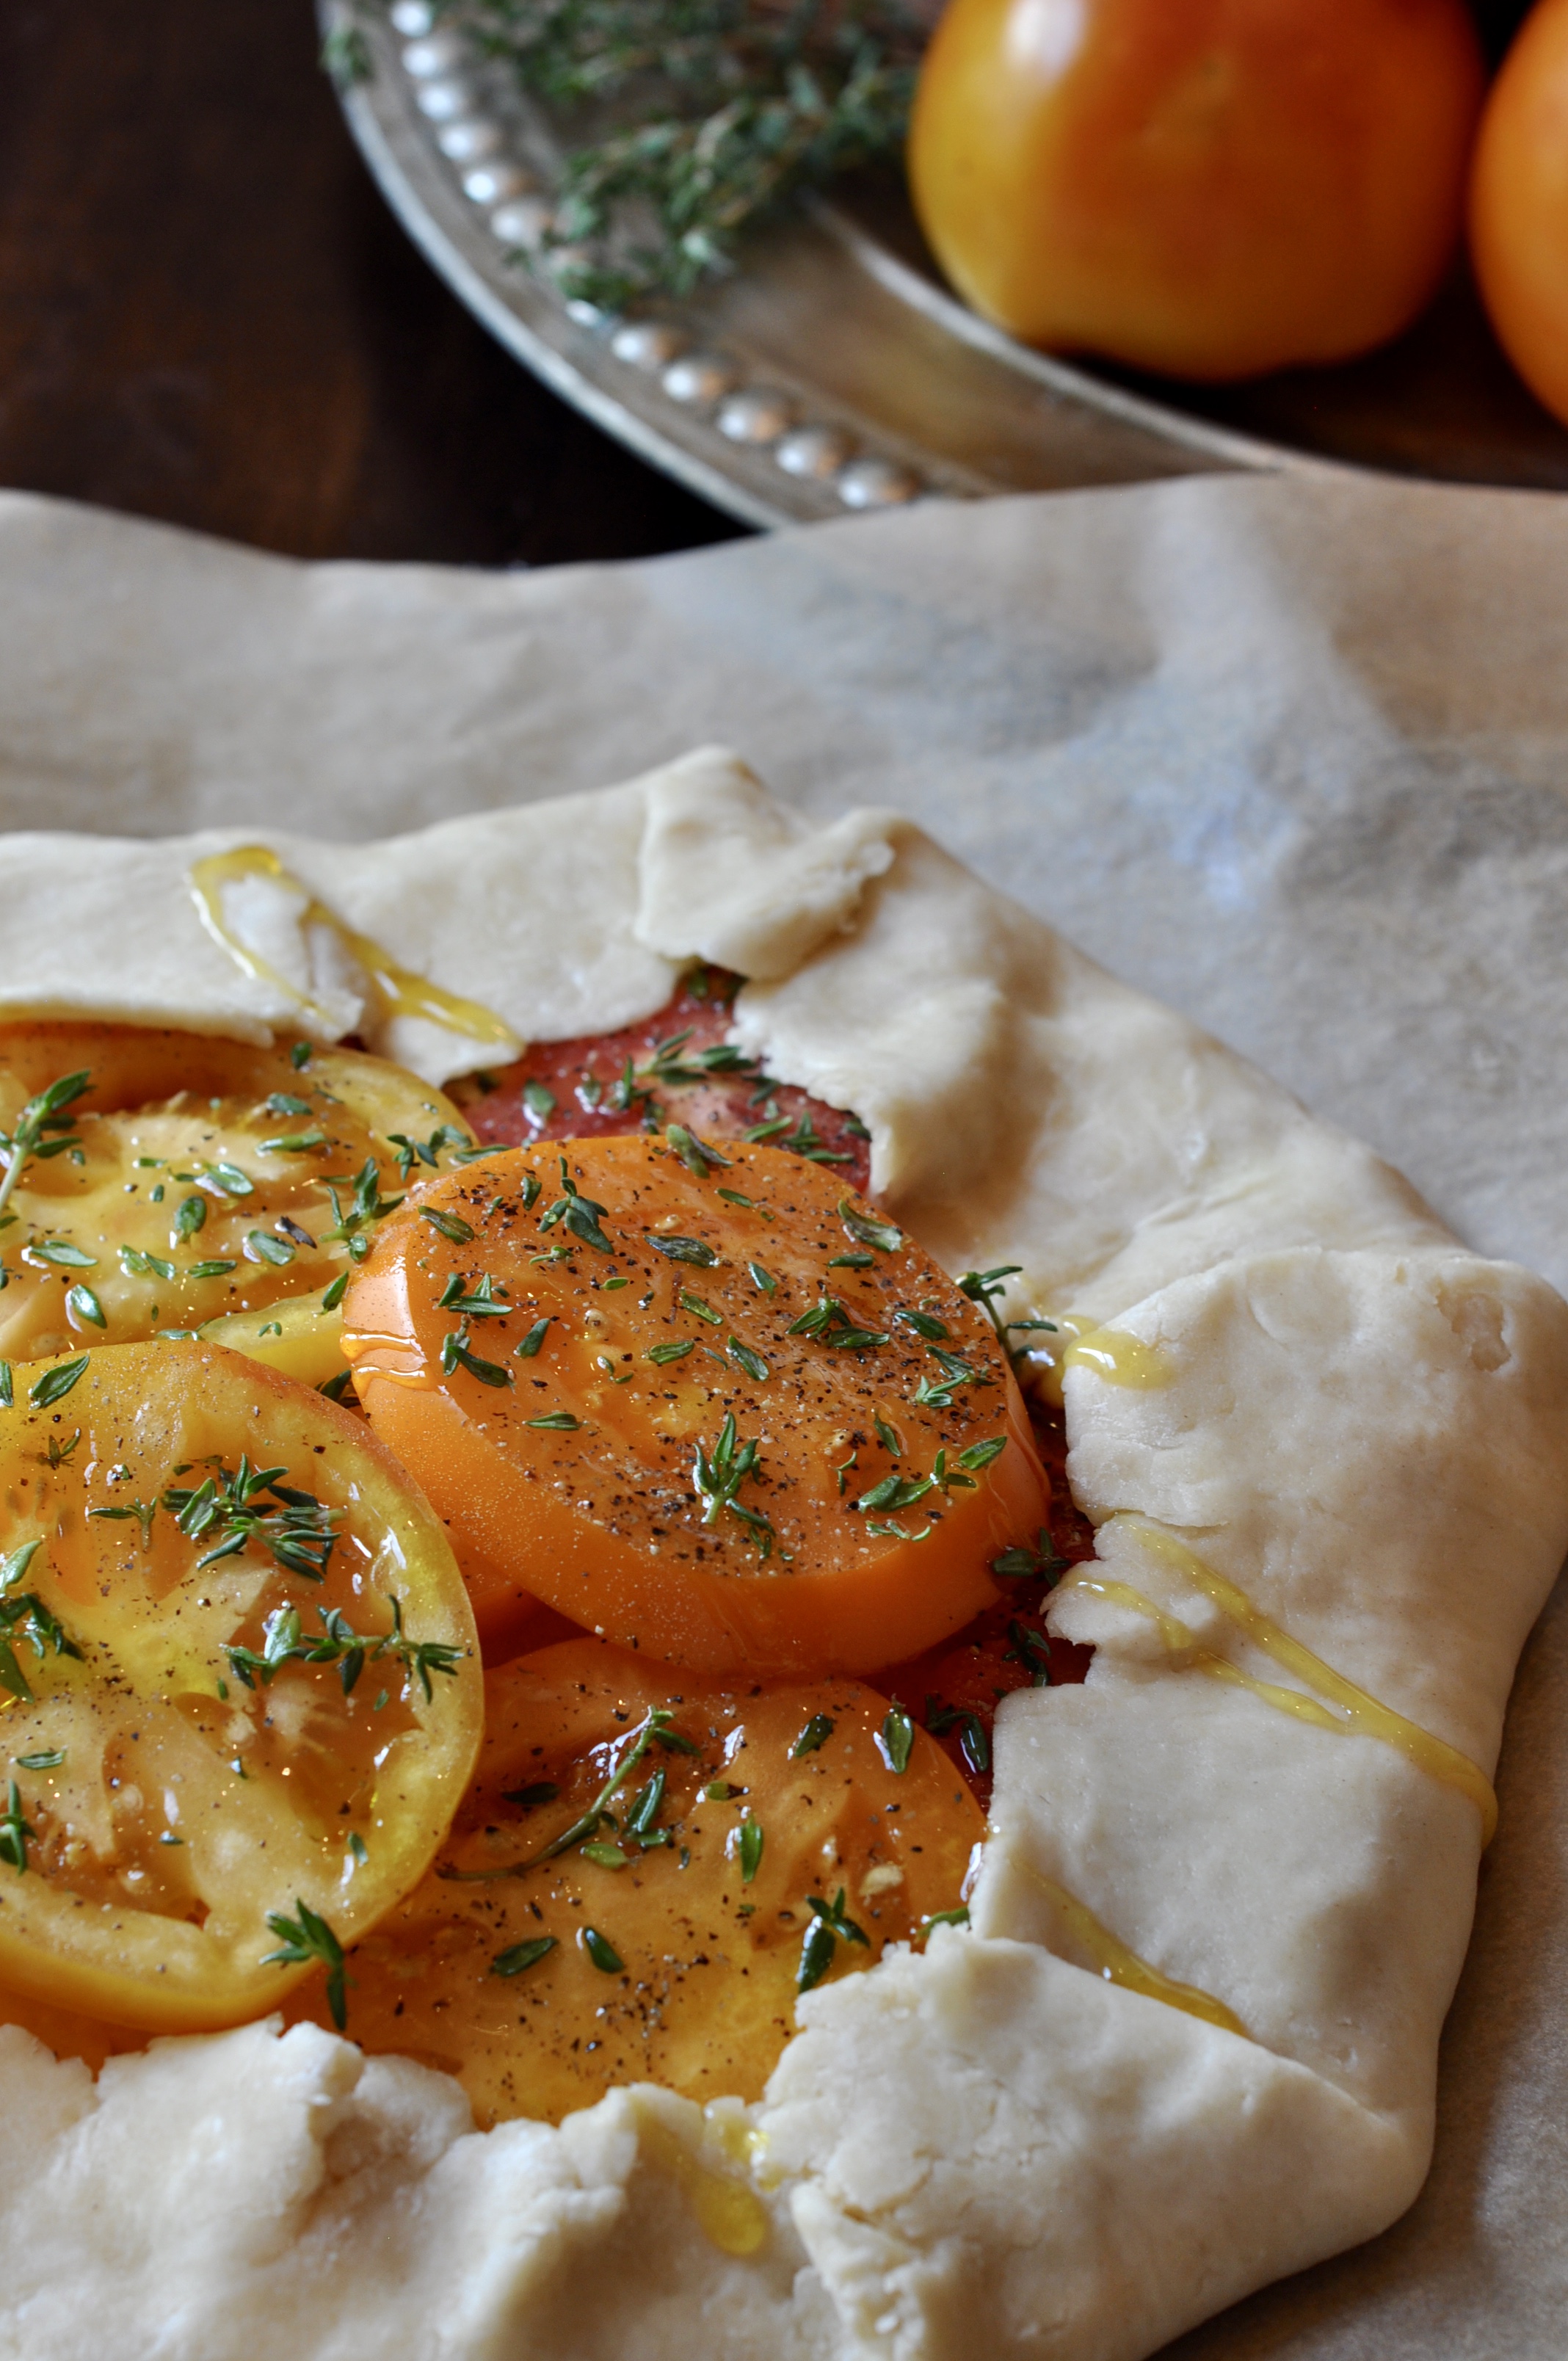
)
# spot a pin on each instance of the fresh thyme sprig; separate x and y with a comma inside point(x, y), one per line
point(829, 1926)
point(304, 1941)
point(656, 1729)
point(298, 1529)
point(25, 1617)
point(285, 1640)
point(352, 1224)
point(42, 1116)
point(703, 116)
point(716, 1477)
point(15, 1830)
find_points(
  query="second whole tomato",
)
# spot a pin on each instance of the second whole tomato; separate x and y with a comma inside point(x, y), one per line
point(1518, 204)
point(1210, 188)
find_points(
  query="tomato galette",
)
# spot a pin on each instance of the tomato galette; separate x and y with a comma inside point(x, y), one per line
point(737, 1615)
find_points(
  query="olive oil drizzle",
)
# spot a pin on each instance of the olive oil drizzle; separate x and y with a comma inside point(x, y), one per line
point(1110, 1354)
point(1339, 1704)
point(1120, 1359)
point(1119, 1965)
point(397, 990)
point(728, 2213)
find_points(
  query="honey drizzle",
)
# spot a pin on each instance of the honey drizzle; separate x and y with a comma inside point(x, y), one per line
point(1180, 1639)
point(1118, 1965)
point(1120, 1359)
point(728, 2213)
point(1113, 1353)
point(397, 990)
point(1355, 1712)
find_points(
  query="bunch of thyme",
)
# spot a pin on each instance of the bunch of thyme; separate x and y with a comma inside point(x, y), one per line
point(706, 116)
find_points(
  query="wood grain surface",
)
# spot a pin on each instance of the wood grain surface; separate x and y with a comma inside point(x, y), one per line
point(208, 315)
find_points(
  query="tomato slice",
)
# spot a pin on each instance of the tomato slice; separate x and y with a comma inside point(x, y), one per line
point(239, 1678)
point(663, 1943)
point(677, 1066)
point(726, 1414)
point(187, 1180)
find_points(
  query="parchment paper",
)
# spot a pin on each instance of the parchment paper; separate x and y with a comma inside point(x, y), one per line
point(1292, 753)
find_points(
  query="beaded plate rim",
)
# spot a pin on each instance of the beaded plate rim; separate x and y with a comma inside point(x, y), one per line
point(720, 391)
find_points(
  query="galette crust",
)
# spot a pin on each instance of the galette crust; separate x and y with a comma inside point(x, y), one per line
point(986, 2147)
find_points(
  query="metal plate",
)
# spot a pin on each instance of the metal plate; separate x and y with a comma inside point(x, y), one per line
point(834, 371)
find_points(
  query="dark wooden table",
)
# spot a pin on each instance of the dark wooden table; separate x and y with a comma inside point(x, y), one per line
point(208, 315)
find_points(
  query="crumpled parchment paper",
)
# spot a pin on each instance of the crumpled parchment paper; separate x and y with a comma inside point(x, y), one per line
point(1291, 752)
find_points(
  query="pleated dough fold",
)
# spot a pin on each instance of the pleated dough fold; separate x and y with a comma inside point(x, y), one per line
point(1190, 2042)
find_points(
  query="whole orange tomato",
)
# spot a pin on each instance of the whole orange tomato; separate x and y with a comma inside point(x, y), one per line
point(1518, 204)
point(1210, 188)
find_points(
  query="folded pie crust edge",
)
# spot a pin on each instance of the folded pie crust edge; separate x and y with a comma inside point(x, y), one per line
point(990, 2147)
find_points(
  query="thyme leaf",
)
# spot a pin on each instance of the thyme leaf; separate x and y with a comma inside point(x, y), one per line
point(897, 1739)
point(656, 1729)
point(43, 1130)
point(816, 1732)
point(829, 1926)
point(15, 1830)
point(523, 1956)
point(304, 1941)
point(717, 1477)
point(298, 1530)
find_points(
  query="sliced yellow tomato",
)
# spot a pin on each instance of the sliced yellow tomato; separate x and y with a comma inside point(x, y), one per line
point(239, 1687)
point(296, 1336)
point(187, 1178)
point(626, 1893)
point(710, 1407)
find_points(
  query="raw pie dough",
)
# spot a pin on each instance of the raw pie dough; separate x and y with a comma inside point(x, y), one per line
point(991, 2148)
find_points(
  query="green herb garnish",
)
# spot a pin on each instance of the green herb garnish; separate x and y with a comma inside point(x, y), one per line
point(304, 1941)
point(262, 1246)
point(717, 1477)
point(866, 1229)
point(601, 1951)
point(15, 1830)
point(694, 1250)
point(656, 1729)
point(1022, 1564)
point(43, 1130)
point(456, 1355)
point(523, 1956)
point(425, 1151)
point(694, 1153)
point(828, 1928)
point(897, 1738)
point(56, 1383)
point(59, 1251)
point(296, 1528)
point(816, 1733)
point(973, 1743)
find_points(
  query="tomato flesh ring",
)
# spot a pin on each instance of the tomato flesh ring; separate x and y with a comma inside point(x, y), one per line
point(187, 1765)
point(710, 1422)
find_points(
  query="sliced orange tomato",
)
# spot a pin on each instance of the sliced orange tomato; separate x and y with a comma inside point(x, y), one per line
point(1518, 204)
point(187, 1178)
point(707, 1405)
point(239, 1687)
point(644, 1875)
point(1207, 187)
